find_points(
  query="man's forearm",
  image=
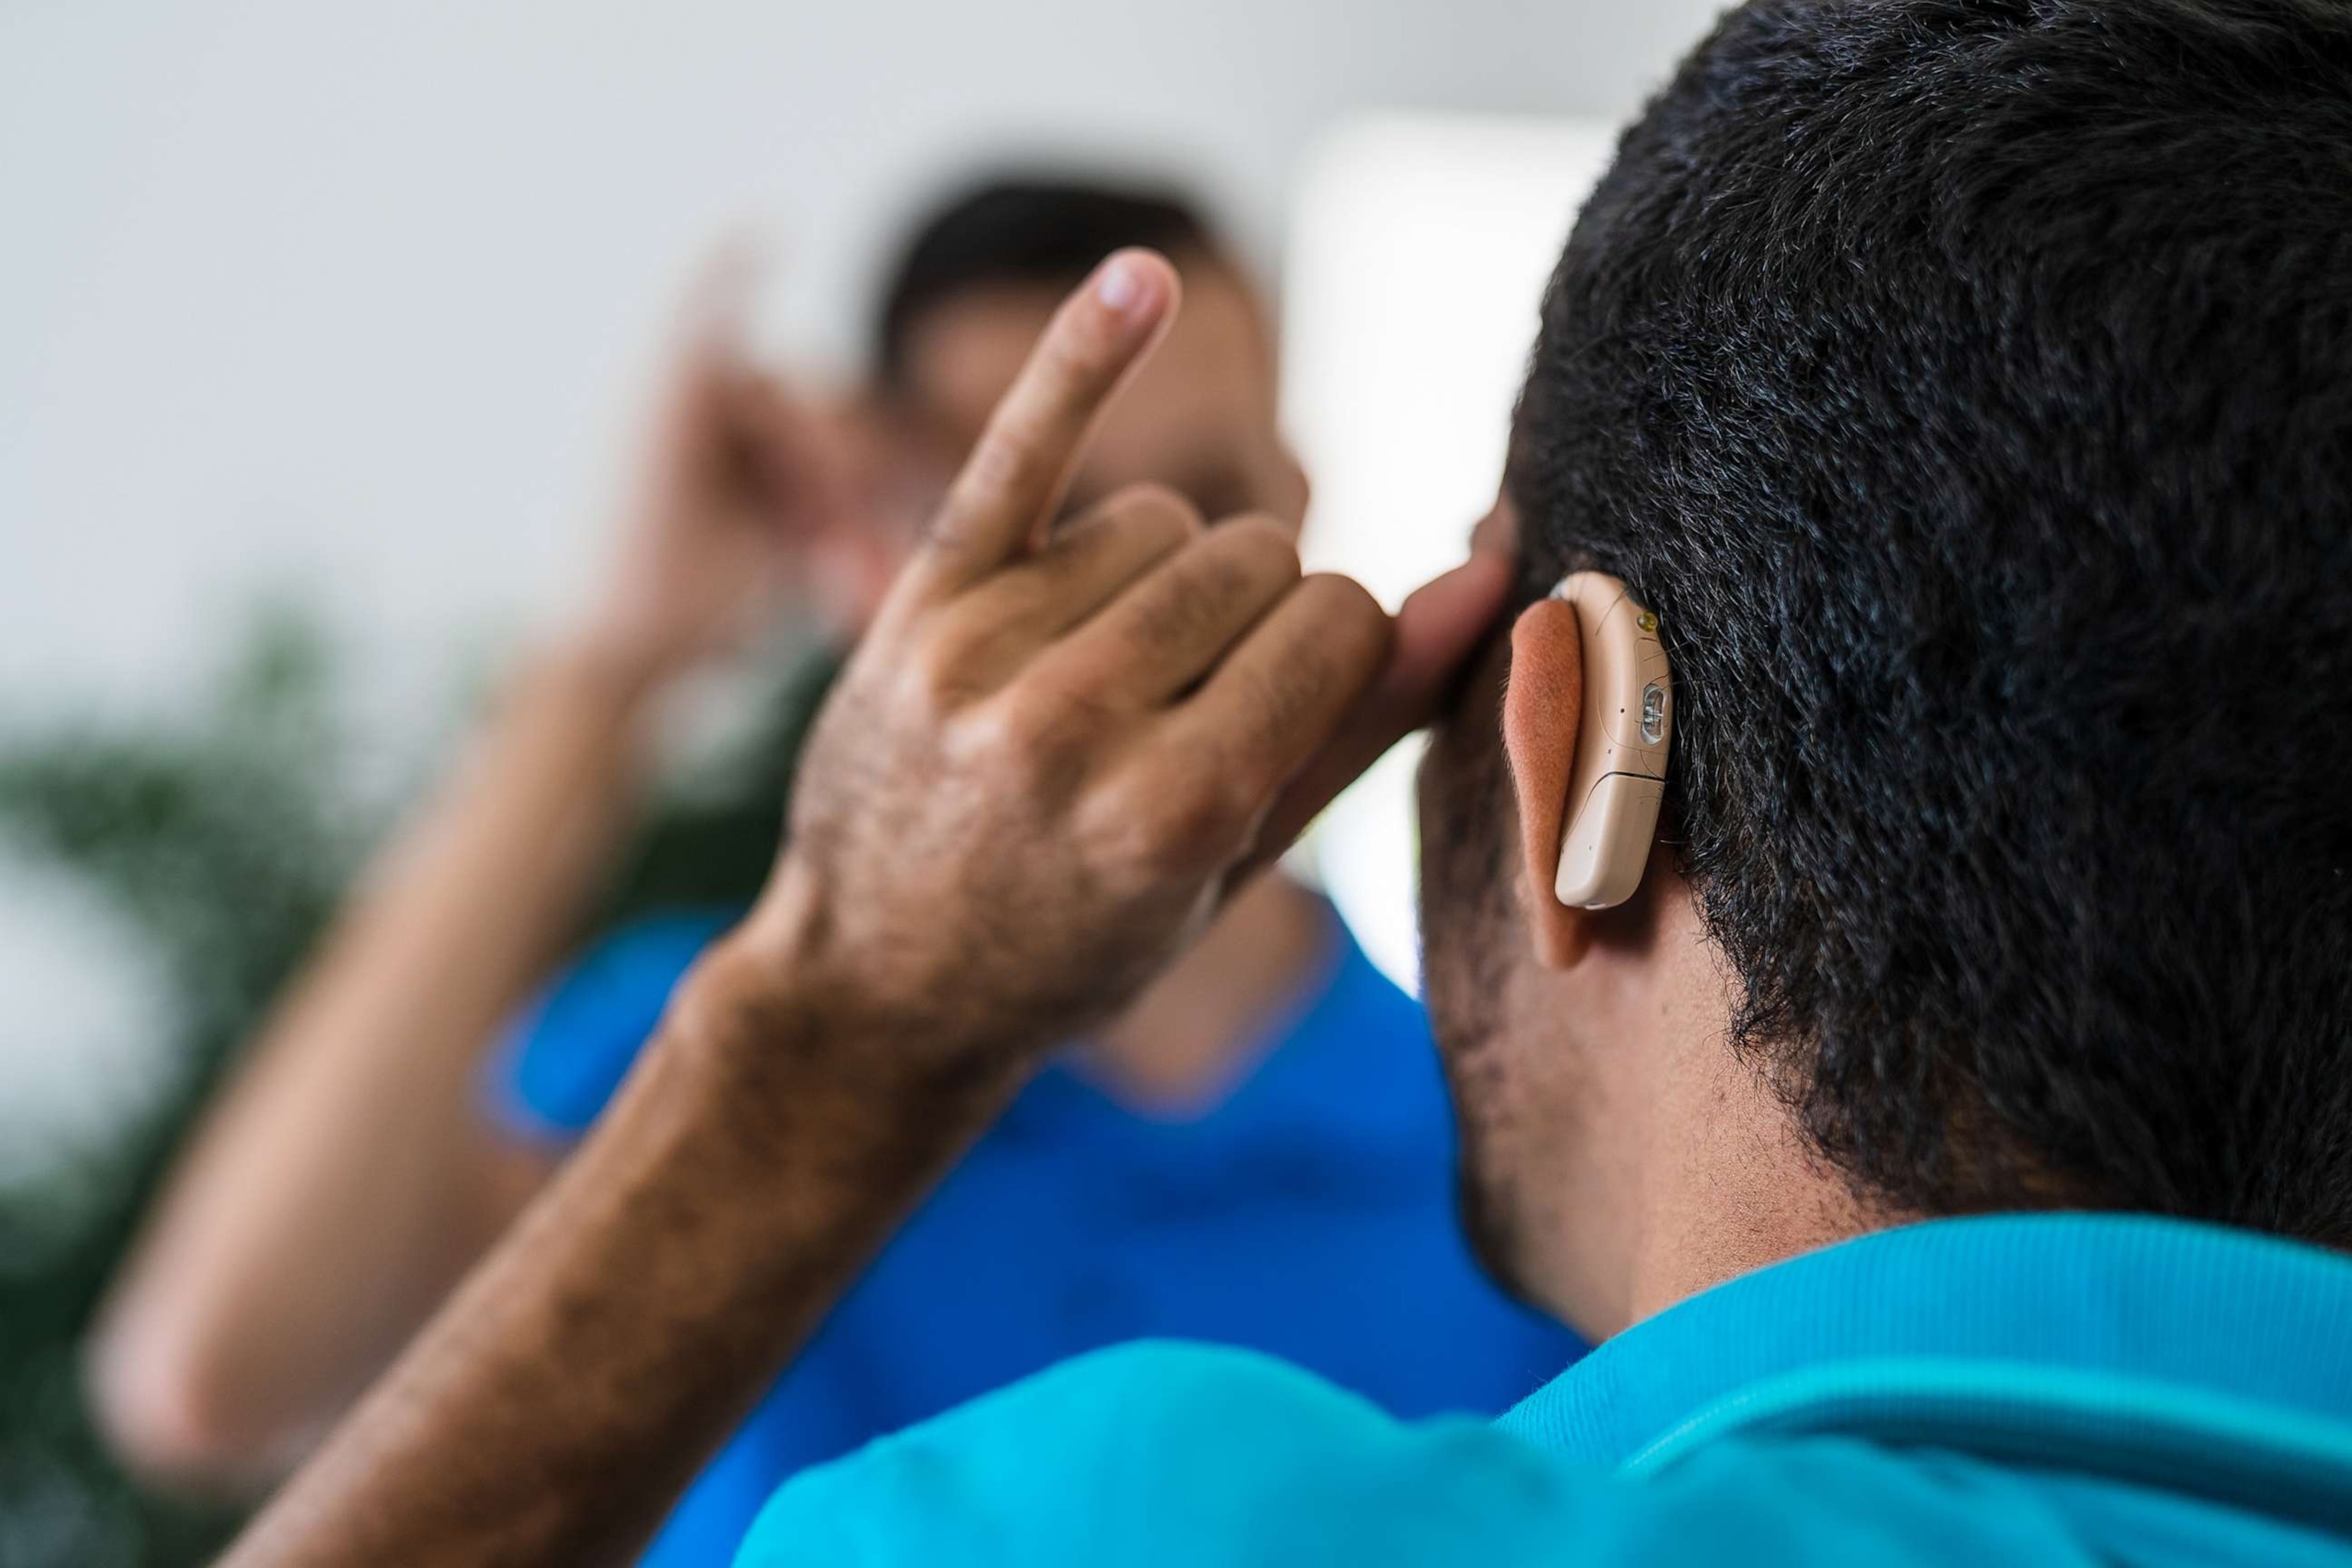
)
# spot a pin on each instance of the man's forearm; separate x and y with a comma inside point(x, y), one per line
point(565, 1397)
point(336, 1191)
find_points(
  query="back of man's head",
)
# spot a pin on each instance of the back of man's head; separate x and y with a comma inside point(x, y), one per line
point(1969, 385)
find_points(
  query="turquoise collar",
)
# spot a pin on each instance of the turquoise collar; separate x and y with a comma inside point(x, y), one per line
point(2200, 1308)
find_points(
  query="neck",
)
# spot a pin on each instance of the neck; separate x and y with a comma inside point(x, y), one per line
point(1730, 1188)
point(1185, 1038)
point(1708, 1175)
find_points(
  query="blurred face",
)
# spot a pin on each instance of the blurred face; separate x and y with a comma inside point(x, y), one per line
point(1199, 417)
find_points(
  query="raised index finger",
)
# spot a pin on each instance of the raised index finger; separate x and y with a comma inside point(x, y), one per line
point(1015, 474)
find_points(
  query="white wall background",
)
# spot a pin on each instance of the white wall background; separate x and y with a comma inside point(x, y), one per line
point(1420, 244)
point(356, 300)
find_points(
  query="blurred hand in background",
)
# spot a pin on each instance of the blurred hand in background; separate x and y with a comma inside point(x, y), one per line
point(751, 491)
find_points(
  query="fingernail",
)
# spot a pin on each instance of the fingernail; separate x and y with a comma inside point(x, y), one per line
point(1120, 288)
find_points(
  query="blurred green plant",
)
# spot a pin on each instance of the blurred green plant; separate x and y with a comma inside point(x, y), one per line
point(225, 838)
point(217, 837)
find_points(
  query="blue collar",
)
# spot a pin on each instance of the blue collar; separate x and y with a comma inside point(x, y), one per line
point(2197, 1307)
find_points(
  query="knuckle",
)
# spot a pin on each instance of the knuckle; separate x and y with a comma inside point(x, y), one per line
point(1032, 729)
point(1360, 628)
point(1150, 498)
point(1255, 763)
point(969, 655)
point(1154, 510)
point(1179, 827)
point(996, 746)
point(1265, 702)
point(1246, 559)
point(1344, 600)
point(1264, 545)
point(939, 676)
point(1023, 729)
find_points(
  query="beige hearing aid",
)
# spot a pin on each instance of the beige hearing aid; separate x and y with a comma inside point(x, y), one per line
point(1621, 745)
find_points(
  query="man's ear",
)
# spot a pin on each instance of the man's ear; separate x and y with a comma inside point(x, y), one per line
point(1541, 706)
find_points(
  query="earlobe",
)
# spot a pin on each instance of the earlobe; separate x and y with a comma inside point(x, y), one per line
point(1541, 708)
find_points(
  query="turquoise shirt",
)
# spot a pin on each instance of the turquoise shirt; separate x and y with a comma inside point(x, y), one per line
point(2041, 1390)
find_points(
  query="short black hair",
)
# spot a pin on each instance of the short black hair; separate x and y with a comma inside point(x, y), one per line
point(1025, 229)
point(1968, 384)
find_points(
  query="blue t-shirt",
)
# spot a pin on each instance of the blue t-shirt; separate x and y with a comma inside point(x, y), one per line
point(2051, 1391)
point(1306, 1213)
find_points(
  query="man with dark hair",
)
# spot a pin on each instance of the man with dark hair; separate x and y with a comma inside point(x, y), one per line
point(975, 282)
point(1246, 1154)
point(1951, 1130)
point(1009, 233)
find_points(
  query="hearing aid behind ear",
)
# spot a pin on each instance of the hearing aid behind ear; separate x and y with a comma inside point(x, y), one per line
point(1622, 737)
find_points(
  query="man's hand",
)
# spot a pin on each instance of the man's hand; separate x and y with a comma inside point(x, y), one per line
point(1042, 770)
point(747, 490)
point(1051, 756)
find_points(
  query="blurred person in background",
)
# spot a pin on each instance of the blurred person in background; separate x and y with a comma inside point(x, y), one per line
point(1259, 1152)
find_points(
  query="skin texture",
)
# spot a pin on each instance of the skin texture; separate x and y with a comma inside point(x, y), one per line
point(347, 1179)
point(1096, 730)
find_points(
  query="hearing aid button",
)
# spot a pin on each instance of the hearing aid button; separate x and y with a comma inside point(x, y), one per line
point(1638, 720)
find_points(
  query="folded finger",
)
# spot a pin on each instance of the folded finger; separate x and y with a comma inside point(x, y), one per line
point(1275, 702)
point(1169, 626)
point(1088, 565)
point(1438, 630)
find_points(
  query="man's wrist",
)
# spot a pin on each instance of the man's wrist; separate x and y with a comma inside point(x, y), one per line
point(784, 1043)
